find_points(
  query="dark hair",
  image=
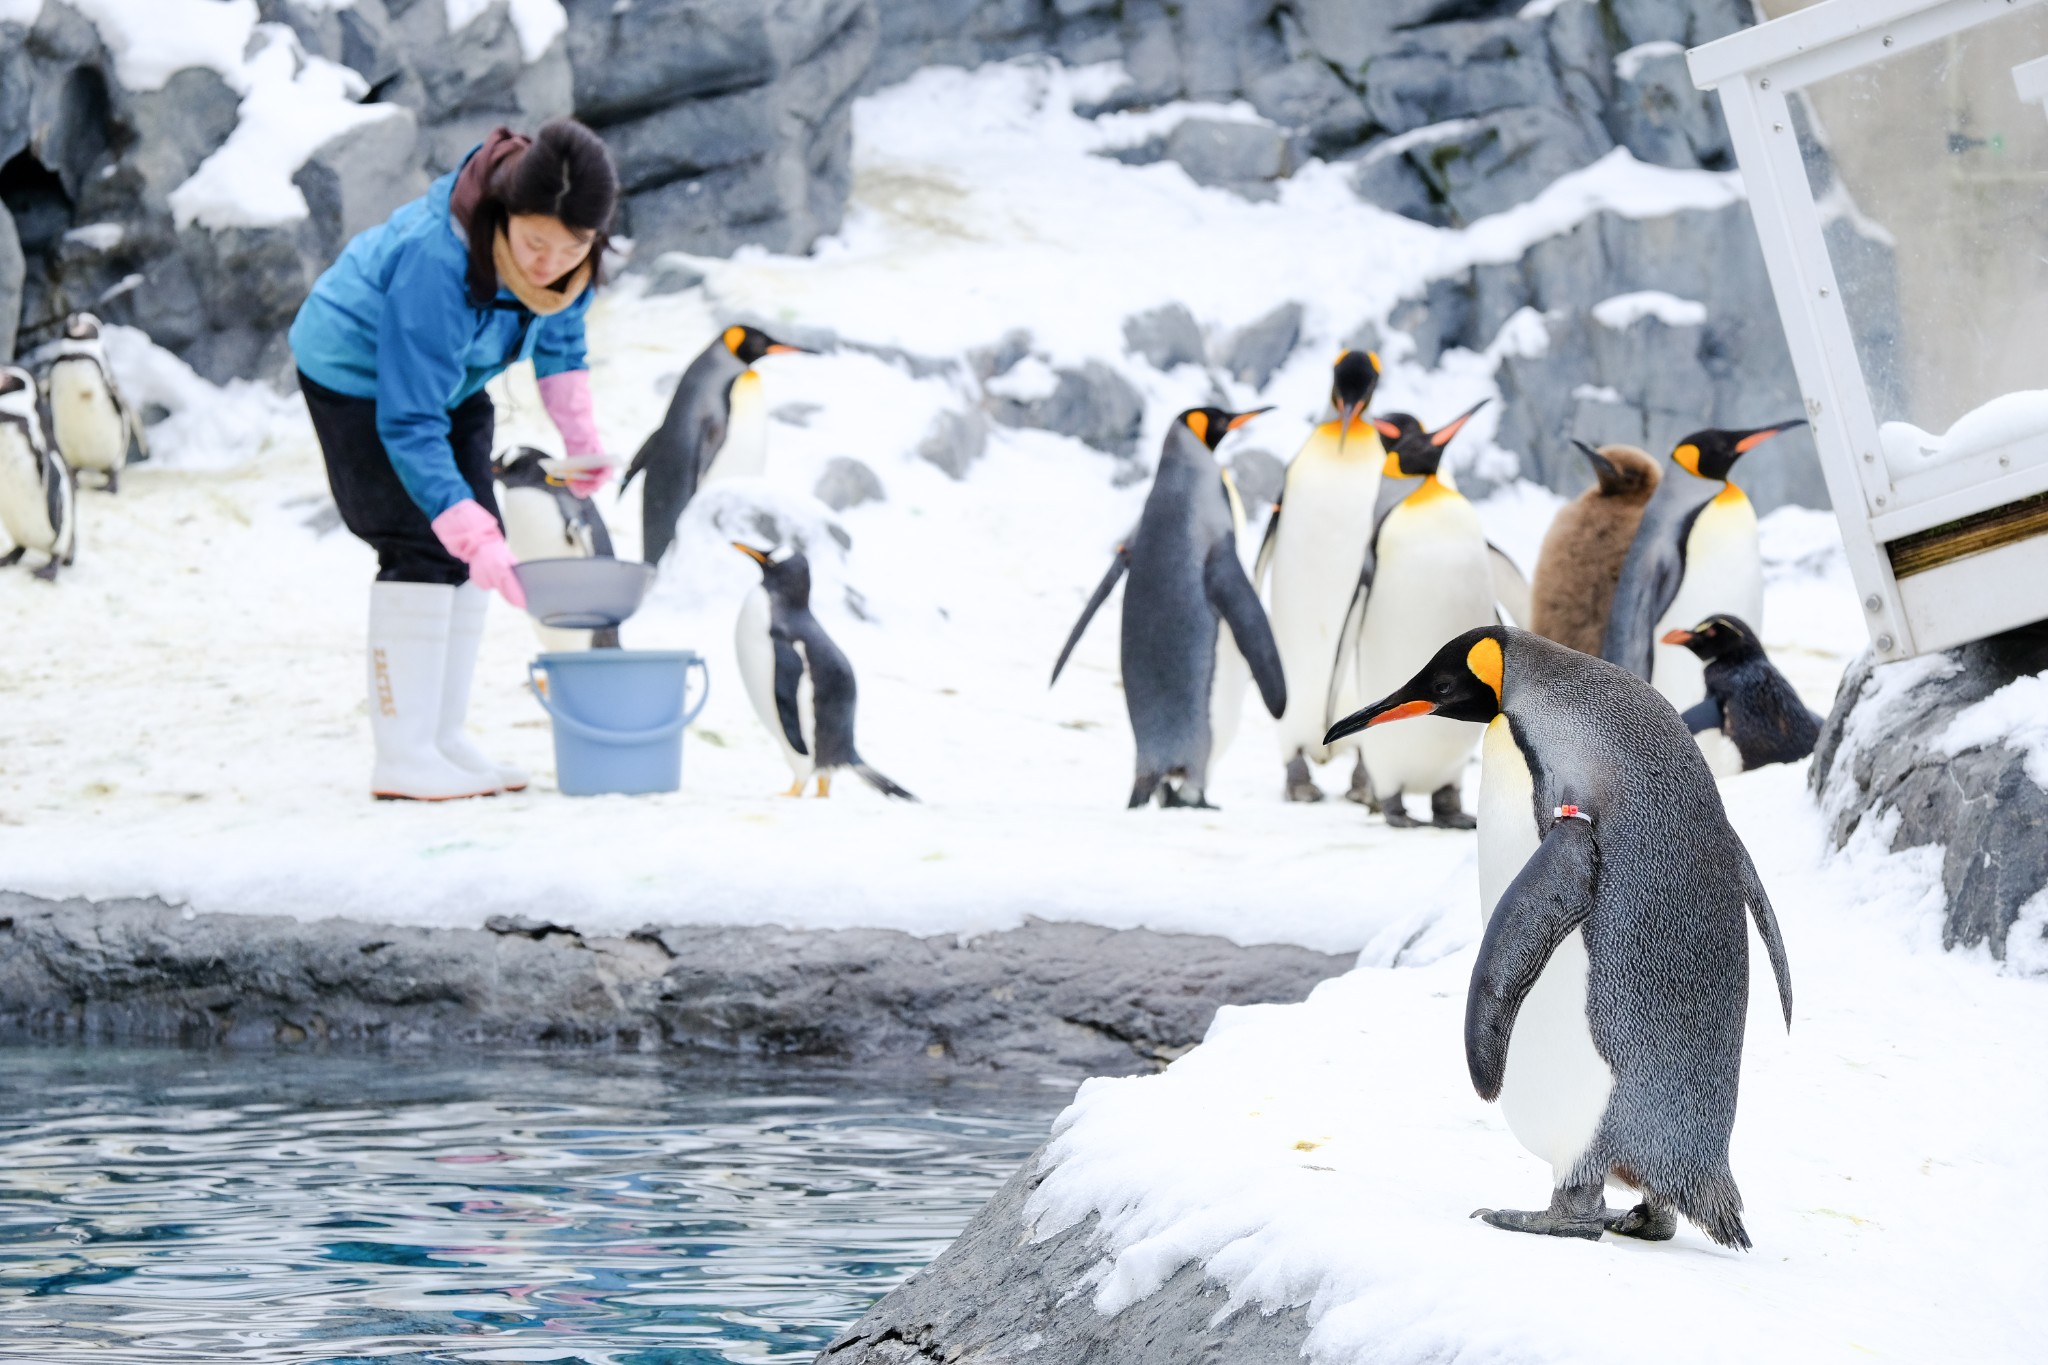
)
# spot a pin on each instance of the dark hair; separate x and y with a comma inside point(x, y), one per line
point(568, 174)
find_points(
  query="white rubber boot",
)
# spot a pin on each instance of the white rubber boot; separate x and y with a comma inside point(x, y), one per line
point(465, 637)
point(408, 661)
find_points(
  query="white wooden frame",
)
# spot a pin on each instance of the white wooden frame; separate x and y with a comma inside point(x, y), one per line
point(1755, 72)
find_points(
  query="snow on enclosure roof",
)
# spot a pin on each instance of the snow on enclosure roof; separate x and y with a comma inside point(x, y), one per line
point(1329, 1154)
point(292, 105)
point(2004, 420)
point(1624, 311)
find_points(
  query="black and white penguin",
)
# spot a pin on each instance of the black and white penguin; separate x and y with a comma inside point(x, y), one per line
point(1427, 575)
point(544, 520)
point(1608, 1001)
point(800, 683)
point(1187, 583)
point(1692, 556)
point(716, 428)
point(37, 489)
point(90, 421)
point(1747, 699)
point(1320, 529)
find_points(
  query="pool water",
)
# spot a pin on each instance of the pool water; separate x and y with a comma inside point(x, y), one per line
point(165, 1206)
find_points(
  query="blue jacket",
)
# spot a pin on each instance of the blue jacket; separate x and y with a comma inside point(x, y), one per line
point(392, 320)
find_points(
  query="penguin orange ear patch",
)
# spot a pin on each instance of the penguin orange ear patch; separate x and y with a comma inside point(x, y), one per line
point(1484, 659)
point(733, 337)
point(1687, 457)
point(1198, 422)
point(1374, 357)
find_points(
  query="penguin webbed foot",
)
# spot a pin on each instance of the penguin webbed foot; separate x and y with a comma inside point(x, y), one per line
point(1397, 814)
point(113, 480)
point(48, 573)
point(1300, 785)
point(1360, 791)
point(1447, 809)
point(12, 557)
point(1172, 798)
point(1645, 1222)
point(1545, 1222)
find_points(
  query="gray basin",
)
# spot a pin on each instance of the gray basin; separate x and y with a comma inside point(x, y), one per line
point(583, 594)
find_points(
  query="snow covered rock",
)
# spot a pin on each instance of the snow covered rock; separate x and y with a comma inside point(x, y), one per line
point(1166, 336)
point(1263, 346)
point(1231, 154)
point(1951, 750)
point(1093, 403)
point(846, 482)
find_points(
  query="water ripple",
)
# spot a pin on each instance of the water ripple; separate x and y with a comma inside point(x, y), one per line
point(159, 1207)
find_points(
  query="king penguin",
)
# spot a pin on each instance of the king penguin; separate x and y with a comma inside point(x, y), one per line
point(716, 427)
point(1607, 1004)
point(90, 421)
point(1187, 584)
point(1583, 550)
point(800, 683)
point(544, 520)
point(1691, 557)
point(1748, 699)
point(1427, 575)
point(1317, 536)
point(37, 489)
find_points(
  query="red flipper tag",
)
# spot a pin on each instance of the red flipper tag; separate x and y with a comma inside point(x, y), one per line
point(1570, 812)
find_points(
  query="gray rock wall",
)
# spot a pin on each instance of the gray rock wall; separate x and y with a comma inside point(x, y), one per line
point(995, 1295)
point(1056, 997)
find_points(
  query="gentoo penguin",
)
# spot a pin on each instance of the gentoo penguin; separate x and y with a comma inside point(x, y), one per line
point(801, 685)
point(1583, 550)
point(1186, 584)
point(1308, 563)
point(89, 420)
point(1692, 557)
point(1747, 699)
point(716, 428)
point(1427, 575)
point(544, 520)
point(37, 489)
point(1607, 1004)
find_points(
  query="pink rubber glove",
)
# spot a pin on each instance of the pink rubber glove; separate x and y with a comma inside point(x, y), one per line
point(566, 396)
point(472, 535)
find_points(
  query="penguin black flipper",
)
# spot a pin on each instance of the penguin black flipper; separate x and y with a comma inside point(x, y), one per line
point(1548, 899)
point(1237, 602)
point(789, 671)
point(1767, 929)
point(1650, 578)
point(1702, 716)
point(1117, 564)
point(1347, 642)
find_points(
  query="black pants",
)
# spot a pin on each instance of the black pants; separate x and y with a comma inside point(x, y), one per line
point(374, 504)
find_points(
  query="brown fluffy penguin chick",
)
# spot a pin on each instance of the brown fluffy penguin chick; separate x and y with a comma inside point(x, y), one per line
point(1582, 554)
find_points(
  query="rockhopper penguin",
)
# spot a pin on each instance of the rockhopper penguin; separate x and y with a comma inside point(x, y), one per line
point(800, 683)
point(37, 489)
point(1583, 550)
point(91, 423)
point(1607, 1004)
point(1186, 585)
point(1747, 699)
point(1691, 557)
point(716, 428)
point(1427, 575)
point(1321, 526)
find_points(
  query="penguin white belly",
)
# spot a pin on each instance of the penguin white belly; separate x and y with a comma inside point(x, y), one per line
point(745, 452)
point(84, 418)
point(1724, 572)
point(1324, 531)
point(756, 652)
point(1555, 1088)
point(24, 510)
point(533, 524)
point(1433, 581)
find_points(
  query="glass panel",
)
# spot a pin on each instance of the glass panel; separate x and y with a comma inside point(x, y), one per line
point(1932, 178)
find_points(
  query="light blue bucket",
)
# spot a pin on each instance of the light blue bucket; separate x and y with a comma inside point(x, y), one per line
point(619, 717)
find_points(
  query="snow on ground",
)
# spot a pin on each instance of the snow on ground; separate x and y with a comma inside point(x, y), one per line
point(186, 713)
point(1329, 1154)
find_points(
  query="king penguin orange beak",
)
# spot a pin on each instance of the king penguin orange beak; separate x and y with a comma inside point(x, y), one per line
point(1241, 418)
point(783, 348)
point(1379, 713)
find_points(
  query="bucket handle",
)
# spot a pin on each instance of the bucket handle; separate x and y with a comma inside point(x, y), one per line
point(594, 735)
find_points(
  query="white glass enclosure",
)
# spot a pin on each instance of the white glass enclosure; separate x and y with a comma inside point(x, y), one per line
point(1895, 154)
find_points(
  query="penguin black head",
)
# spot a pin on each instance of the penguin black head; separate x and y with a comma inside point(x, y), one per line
point(1413, 453)
point(1353, 379)
point(1719, 638)
point(1712, 453)
point(1623, 471)
point(1210, 425)
point(1463, 682)
point(14, 380)
point(786, 575)
point(520, 467)
point(749, 344)
point(82, 327)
